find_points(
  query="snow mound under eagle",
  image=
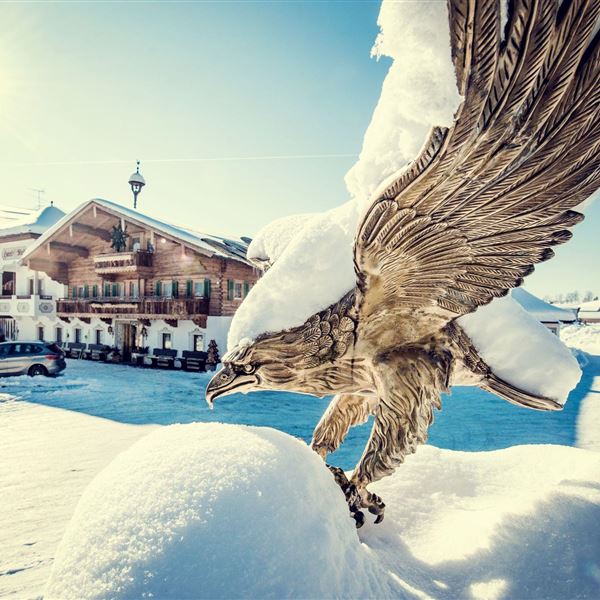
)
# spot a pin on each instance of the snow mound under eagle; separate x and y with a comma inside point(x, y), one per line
point(223, 511)
point(213, 511)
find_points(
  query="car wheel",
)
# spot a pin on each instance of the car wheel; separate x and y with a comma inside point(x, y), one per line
point(38, 370)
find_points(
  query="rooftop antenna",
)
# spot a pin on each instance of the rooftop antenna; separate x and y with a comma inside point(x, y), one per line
point(39, 196)
point(137, 182)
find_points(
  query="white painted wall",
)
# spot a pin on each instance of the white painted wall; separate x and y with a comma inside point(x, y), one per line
point(181, 336)
point(10, 253)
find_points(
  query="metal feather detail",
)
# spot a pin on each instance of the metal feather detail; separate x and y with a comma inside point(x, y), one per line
point(501, 183)
point(483, 203)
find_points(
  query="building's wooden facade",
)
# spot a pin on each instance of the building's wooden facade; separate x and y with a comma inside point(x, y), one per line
point(163, 273)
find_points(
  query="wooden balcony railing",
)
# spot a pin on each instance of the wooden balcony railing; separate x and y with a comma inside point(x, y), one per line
point(122, 262)
point(172, 308)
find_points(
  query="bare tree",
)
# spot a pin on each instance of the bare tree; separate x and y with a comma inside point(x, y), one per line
point(589, 295)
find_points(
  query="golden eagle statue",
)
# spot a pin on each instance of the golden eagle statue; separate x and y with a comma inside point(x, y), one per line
point(466, 221)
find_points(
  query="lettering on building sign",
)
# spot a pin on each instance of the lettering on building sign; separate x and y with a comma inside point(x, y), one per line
point(13, 253)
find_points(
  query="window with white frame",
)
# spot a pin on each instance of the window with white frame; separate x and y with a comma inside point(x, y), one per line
point(167, 343)
point(238, 290)
point(198, 342)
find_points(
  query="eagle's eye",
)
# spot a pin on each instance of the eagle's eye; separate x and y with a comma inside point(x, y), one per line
point(248, 368)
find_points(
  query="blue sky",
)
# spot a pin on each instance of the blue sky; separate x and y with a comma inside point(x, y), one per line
point(87, 88)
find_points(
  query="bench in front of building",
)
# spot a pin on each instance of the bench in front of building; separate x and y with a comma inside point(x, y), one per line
point(97, 351)
point(194, 361)
point(74, 349)
point(161, 357)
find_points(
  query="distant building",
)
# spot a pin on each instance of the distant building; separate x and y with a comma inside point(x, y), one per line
point(134, 282)
point(548, 314)
point(587, 312)
point(27, 300)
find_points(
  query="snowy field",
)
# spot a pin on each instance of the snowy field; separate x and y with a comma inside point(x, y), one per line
point(515, 523)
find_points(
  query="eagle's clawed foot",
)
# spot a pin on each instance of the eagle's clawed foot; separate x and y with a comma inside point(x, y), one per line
point(373, 503)
point(357, 499)
point(351, 494)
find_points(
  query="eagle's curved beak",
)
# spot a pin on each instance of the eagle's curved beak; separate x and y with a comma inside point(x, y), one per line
point(226, 381)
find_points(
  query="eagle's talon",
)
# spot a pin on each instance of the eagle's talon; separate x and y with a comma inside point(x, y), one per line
point(374, 504)
point(359, 518)
point(351, 494)
point(357, 499)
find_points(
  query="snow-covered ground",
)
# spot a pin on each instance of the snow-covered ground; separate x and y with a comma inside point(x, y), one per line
point(582, 337)
point(514, 523)
point(47, 458)
point(223, 511)
point(586, 338)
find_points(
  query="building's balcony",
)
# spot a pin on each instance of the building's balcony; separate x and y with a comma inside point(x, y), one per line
point(148, 308)
point(27, 305)
point(138, 261)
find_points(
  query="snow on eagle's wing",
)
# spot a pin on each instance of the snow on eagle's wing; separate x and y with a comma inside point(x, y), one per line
point(488, 197)
point(270, 242)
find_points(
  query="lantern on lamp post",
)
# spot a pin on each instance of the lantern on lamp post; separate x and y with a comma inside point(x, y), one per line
point(137, 182)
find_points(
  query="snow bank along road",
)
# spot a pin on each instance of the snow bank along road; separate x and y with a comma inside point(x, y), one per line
point(515, 523)
point(47, 458)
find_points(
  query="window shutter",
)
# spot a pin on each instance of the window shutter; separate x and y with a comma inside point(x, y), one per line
point(246, 288)
point(207, 288)
point(115, 289)
point(230, 286)
point(189, 288)
point(175, 289)
point(158, 289)
point(86, 290)
point(74, 292)
point(94, 291)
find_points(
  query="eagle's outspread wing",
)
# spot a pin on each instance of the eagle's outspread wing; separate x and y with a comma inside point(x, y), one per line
point(488, 197)
point(485, 200)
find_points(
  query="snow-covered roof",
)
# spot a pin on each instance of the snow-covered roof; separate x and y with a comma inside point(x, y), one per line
point(542, 311)
point(591, 305)
point(14, 221)
point(232, 248)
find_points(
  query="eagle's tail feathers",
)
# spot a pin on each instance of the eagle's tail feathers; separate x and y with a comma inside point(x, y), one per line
point(517, 396)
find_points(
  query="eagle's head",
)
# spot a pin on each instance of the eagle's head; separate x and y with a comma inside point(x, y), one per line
point(305, 358)
point(272, 362)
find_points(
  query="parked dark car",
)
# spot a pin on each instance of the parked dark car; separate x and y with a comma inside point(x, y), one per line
point(31, 358)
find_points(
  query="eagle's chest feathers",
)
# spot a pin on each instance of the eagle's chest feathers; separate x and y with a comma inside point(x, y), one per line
point(338, 350)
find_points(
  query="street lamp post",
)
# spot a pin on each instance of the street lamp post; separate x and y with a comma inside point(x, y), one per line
point(137, 182)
